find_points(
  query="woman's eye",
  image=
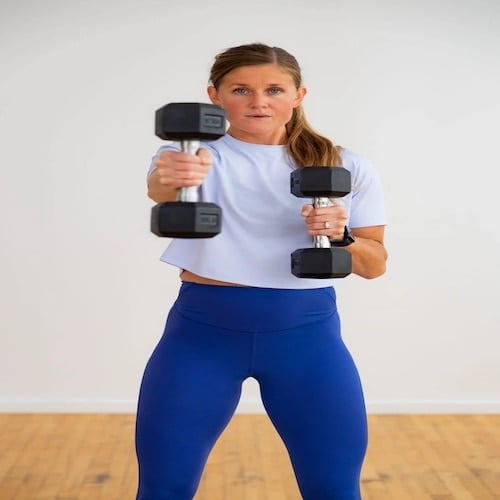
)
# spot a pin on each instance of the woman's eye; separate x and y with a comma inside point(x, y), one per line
point(275, 90)
point(241, 91)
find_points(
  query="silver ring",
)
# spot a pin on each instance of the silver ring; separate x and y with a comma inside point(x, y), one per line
point(327, 225)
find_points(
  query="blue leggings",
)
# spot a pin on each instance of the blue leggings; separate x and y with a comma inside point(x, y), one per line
point(289, 341)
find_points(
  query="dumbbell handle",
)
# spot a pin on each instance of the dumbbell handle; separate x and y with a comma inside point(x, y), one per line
point(189, 193)
point(320, 240)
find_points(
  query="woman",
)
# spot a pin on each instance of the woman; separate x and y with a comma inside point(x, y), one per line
point(240, 312)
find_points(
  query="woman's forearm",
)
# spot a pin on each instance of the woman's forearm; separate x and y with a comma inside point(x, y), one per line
point(368, 257)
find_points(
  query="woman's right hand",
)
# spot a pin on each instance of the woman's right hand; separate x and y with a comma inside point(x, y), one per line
point(175, 170)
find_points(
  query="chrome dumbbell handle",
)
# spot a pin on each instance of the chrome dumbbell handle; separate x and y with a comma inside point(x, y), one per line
point(190, 193)
point(320, 240)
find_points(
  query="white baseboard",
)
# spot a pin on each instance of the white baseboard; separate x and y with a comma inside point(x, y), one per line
point(254, 406)
point(76, 405)
point(248, 406)
point(422, 406)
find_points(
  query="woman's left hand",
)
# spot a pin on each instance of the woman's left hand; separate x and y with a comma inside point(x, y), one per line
point(325, 221)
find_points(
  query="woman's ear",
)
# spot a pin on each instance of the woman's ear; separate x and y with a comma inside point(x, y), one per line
point(301, 93)
point(213, 95)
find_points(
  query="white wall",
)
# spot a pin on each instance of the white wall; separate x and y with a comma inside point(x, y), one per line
point(414, 85)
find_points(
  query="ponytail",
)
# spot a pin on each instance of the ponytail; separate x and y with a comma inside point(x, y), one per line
point(307, 147)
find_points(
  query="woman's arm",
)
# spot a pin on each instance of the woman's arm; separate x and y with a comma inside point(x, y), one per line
point(369, 255)
point(368, 252)
point(174, 170)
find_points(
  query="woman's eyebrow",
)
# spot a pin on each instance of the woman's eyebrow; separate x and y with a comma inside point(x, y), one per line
point(248, 85)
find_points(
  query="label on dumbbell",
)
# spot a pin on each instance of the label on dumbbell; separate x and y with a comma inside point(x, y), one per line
point(213, 121)
point(209, 220)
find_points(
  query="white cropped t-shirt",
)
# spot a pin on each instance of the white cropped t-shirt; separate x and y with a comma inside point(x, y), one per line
point(261, 221)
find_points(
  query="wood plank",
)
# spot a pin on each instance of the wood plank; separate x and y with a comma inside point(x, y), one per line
point(92, 457)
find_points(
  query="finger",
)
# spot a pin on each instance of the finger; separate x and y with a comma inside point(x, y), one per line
point(205, 156)
point(306, 210)
point(321, 224)
point(168, 158)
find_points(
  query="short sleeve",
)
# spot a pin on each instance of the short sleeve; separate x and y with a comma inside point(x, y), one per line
point(367, 206)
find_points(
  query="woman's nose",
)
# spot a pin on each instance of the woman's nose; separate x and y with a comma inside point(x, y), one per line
point(258, 99)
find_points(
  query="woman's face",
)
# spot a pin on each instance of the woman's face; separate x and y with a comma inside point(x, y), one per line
point(259, 101)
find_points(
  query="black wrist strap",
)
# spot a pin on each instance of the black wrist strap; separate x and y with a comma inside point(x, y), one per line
point(345, 241)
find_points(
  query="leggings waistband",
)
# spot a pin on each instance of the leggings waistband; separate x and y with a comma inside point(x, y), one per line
point(254, 310)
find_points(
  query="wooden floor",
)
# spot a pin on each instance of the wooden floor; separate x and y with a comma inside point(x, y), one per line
point(91, 457)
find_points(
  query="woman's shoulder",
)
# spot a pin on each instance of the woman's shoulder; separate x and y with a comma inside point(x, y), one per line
point(356, 163)
point(350, 157)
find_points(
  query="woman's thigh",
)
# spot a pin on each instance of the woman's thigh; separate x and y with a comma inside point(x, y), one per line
point(312, 392)
point(190, 389)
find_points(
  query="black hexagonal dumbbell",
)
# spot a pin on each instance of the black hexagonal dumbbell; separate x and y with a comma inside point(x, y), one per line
point(322, 261)
point(189, 123)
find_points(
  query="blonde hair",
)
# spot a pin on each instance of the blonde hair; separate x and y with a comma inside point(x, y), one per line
point(305, 146)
